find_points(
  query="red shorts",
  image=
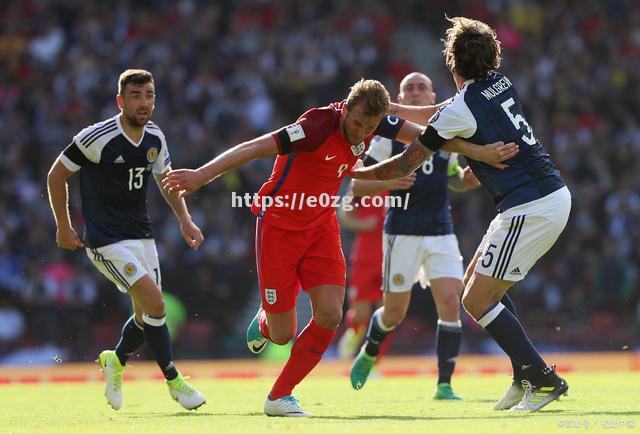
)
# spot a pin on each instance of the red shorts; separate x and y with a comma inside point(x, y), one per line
point(365, 282)
point(286, 259)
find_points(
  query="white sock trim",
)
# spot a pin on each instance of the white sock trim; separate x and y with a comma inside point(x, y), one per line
point(140, 326)
point(377, 317)
point(491, 315)
point(455, 324)
point(156, 322)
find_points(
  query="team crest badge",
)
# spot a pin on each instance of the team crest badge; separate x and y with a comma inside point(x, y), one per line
point(152, 155)
point(270, 295)
point(398, 279)
point(358, 149)
point(130, 269)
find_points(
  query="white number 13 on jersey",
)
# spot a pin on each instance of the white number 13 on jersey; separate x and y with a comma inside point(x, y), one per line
point(518, 122)
point(135, 178)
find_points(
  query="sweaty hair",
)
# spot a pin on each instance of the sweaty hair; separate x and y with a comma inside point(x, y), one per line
point(372, 94)
point(471, 48)
point(135, 76)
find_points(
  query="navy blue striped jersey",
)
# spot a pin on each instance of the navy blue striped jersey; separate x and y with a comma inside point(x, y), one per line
point(428, 210)
point(487, 111)
point(113, 179)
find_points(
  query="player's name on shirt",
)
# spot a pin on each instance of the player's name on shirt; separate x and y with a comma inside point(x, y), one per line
point(496, 88)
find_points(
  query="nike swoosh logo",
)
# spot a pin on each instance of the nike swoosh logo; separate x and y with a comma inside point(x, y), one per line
point(329, 157)
point(257, 348)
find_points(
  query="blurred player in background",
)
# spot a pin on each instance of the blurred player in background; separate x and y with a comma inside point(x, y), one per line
point(363, 274)
point(115, 158)
point(418, 241)
point(298, 243)
point(532, 200)
point(364, 283)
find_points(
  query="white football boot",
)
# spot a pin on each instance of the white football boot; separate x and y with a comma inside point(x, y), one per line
point(537, 396)
point(187, 396)
point(112, 370)
point(512, 397)
point(286, 406)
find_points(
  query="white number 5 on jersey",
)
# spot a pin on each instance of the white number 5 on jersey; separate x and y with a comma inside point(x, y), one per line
point(518, 122)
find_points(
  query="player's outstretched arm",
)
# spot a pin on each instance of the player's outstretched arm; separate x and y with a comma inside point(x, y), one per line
point(186, 181)
point(416, 114)
point(66, 236)
point(399, 166)
point(493, 154)
point(361, 187)
point(190, 231)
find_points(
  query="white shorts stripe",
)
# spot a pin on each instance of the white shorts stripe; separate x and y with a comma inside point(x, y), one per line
point(108, 265)
point(387, 263)
point(504, 243)
point(508, 247)
point(519, 225)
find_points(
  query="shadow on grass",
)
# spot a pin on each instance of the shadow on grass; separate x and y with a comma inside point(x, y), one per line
point(479, 401)
point(190, 414)
point(607, 413)
point(500, 415)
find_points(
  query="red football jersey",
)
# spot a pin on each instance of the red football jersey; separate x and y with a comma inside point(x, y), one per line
point(367, 246)
point(313, 159)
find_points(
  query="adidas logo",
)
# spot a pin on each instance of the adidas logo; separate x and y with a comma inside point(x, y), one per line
point(119, 159)
point(515, 271)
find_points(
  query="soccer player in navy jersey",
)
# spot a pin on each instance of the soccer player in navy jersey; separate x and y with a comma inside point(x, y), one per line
point(115, 158)
point(419, 242)
point(532, 200)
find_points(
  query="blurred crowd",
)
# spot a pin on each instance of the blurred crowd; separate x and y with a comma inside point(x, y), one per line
point(228, 71)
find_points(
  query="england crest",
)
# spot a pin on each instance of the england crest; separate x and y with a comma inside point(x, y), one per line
point(358, 149)
point(270, 295)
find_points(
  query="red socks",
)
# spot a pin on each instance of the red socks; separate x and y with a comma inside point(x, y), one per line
point(306, 353)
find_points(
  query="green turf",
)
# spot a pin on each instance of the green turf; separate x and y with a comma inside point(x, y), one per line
point(402, 405)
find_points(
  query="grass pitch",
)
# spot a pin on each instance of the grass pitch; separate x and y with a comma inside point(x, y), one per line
point(596, 401)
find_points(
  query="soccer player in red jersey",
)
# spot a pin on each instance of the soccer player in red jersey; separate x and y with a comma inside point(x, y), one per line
point(298, 239)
